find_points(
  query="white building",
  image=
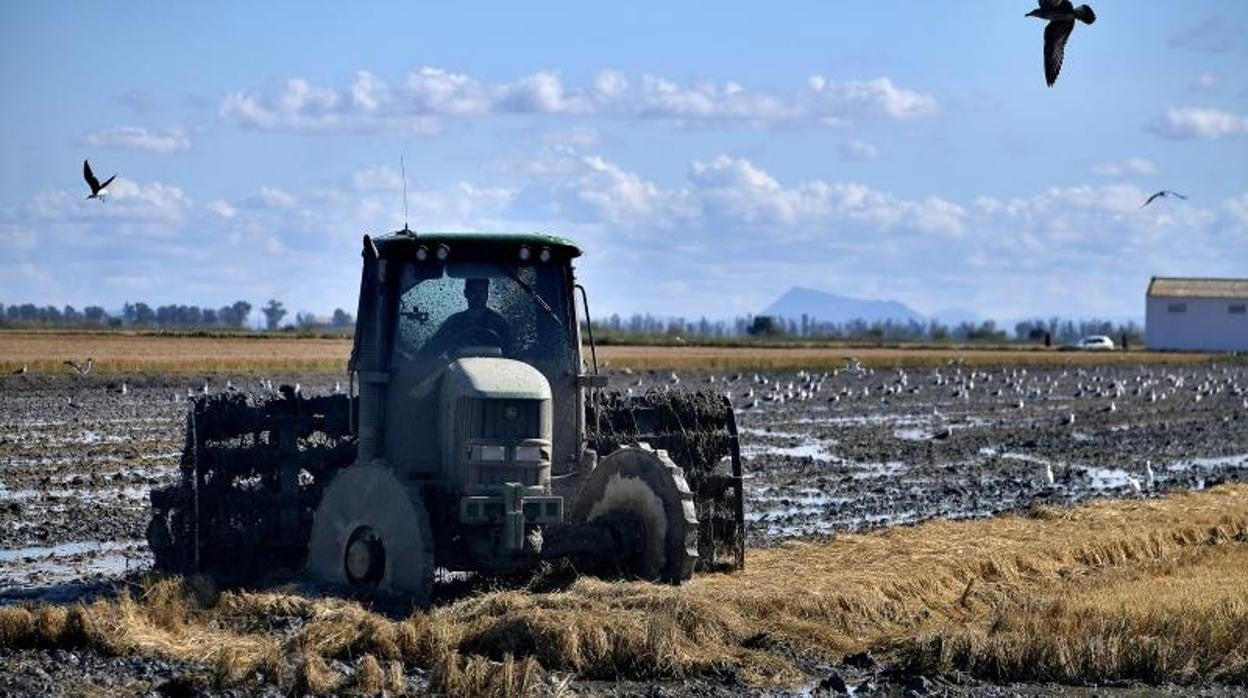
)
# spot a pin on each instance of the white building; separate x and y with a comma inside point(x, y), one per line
point(1197, 314)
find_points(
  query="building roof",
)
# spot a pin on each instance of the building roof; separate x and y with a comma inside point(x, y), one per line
point(1170, 287)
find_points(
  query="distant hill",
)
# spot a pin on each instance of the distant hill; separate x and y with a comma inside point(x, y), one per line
point(830, 307)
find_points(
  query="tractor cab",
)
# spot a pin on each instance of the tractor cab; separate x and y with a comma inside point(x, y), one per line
point(464, 306)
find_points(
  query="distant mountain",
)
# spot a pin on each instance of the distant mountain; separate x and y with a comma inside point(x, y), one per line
point(830, 307)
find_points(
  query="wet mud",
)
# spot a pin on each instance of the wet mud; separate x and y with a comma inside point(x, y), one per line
point(824, 453)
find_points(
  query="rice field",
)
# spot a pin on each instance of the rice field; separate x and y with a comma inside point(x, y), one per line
point(130, 352)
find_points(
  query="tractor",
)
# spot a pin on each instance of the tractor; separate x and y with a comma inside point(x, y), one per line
point(475, 435)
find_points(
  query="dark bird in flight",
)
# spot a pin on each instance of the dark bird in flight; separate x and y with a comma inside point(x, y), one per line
point(97, 189)
point(1161, 195)
point(1061, 15)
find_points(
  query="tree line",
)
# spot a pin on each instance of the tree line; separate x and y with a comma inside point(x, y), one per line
point(637, 327)
point(1053, 330)
point(172, 316)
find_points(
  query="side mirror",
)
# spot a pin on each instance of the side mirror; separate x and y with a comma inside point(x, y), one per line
point(591, 380)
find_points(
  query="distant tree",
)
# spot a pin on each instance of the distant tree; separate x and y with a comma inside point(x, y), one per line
point(765, 326)
point(94, 314)
point(139, 314)
point(209, 317)
point(235, 315)
point(274, 311)
point(343, 319)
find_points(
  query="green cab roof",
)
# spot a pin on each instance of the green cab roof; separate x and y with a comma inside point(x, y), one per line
point(411, 238)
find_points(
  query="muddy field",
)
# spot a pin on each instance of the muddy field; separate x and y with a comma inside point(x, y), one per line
point(824, 452)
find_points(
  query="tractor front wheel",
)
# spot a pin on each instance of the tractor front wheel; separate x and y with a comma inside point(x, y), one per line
point(642, 485)
point(371, 534)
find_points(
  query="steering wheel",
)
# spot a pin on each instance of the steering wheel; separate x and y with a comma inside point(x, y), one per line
point(472, 336)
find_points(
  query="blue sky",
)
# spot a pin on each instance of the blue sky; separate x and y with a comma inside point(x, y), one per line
point(708, 158)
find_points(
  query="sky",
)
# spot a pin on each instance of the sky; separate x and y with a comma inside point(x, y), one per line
point(707, 157)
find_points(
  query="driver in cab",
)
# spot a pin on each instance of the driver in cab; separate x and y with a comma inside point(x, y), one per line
point(475, 326)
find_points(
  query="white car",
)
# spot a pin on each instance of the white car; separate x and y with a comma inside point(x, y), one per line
point(1096, 342)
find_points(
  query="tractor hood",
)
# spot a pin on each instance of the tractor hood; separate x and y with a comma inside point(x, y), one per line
point(495, 425)
point(495, 378)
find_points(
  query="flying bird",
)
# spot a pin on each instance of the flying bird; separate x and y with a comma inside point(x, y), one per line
point(1164, 193)
point(1061, 15)
point(80, 369)
point(97, 189)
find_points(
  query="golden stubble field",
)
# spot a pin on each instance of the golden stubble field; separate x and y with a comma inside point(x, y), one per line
point(1151, 591)
point(118, 352)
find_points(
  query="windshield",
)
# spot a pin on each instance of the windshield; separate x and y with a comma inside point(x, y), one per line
point(515, 311)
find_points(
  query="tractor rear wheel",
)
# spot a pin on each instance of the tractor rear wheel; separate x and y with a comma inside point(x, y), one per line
point(371, 534)
point(646, 487)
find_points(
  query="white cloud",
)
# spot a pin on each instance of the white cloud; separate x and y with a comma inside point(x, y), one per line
point(1130, 166)
point(874, 97)
point(858, 151)
point(166, 141)
point(1193, 122)
point(223, 209)
point(731, 234)
point(129, 204)
point(1208, 82)
point(272, 197)
point(369, 104)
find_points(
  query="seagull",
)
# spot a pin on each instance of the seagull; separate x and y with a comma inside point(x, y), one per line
point(1161, 195)
point(97, 189)
point(21, 371)
point(80, 369)
point(1061, 15)
point(1134, 484)
point(1048, 474)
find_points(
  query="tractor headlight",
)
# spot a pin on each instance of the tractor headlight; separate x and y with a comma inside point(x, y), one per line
point(544, 255)
point(443, 253)
point(489, 453)
point(525, 253)
point(528, 454)
point(422, 253)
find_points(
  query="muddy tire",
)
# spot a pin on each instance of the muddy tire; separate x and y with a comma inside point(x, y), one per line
point(371, 534)
point(646, 486)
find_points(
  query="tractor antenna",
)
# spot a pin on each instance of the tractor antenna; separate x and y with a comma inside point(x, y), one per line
point(403, 170)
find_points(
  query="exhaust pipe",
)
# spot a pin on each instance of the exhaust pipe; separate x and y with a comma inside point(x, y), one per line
point(366, 356)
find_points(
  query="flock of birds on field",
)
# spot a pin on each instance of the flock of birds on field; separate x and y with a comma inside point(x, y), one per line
point(955, 382)
point(264, 386)
point(1090, 391)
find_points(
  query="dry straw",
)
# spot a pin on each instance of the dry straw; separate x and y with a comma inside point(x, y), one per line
point(1144, 590)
